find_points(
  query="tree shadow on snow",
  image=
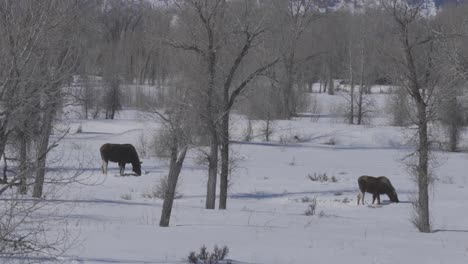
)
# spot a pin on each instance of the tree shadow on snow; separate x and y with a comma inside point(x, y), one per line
point(267, 195)
point(450, 230)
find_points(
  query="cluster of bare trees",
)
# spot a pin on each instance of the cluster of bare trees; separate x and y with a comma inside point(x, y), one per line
point(39, 51)
point(395, 43)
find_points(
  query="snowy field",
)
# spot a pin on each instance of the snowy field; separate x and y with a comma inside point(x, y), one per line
point(265, 220)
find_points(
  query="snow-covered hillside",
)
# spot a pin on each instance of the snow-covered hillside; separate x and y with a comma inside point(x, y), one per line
point(270, 192)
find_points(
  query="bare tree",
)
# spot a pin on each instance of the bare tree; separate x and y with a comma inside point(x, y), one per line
point(119, 19)
point(177, 136)
point(417, 70)
point(296, 17)
point(207, 26)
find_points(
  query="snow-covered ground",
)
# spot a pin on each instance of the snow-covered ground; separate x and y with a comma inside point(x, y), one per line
point(265, 220)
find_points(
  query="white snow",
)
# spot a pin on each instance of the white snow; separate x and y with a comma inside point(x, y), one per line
point(265, 221)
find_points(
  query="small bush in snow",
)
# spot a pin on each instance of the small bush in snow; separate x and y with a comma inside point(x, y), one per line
point(79, 130)
point(322, 214)
point(399, 108)
point(143, 145)
point(345, 200)
point(320, 177)
point(447, 180)
point(293, 161)
point(330, 142)
point(315, 108)
point(205, 257)
point(248, 133)
point(312, 207)
point(126, 196)
point(159, 190)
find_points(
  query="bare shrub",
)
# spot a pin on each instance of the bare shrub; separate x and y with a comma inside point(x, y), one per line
point(330, 142)
point(322, 214)
point(451, 116)
point(126, 196)
point(315, 108)
point(79, 130)
point(205, 257)
point(399, 108)
point(248, 133)
point(159, 190)
point(160, 145)
point(318, 177)
point(310, 211)
point(143, 145)
point(267, 129)
point(287, 139)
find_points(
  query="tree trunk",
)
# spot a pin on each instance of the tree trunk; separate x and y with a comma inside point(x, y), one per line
point(351, 79)
point(224, 177)
point(361, 85)
point(42, 151)
point(212, 171)
point(454, 134)
point(423, 173)
point(177, 161)
point(331, 85)
point(351, 110)
point(23, 166)
point(267, 128)
point(3, 140)
point(211, 122)
point(360, 104)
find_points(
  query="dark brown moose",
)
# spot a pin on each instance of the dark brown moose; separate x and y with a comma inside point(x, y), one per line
point(376, 186)
point(122, 154)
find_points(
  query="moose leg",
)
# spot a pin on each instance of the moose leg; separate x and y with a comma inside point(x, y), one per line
point(374, 196)
point(121, 168)
point(104, 167)
point(360, 196)
point(378, 198)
